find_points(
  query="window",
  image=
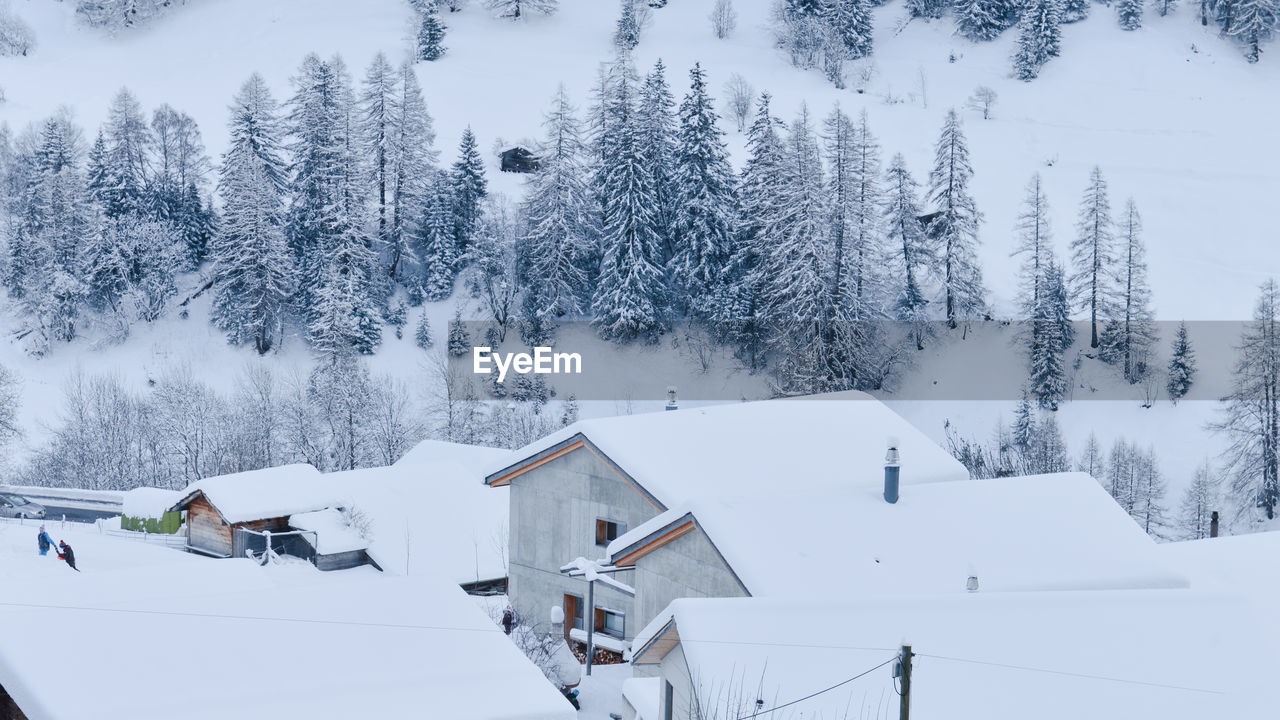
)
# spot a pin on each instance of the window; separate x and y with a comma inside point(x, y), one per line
point(573, 607)
point(609, 622)
point(607, 531)
point(668, 701)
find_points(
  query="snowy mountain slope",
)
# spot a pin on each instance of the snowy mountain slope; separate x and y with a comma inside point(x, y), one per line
point(1172, 113)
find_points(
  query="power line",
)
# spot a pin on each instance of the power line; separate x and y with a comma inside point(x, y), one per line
point(811, 646)
point(1086, 676)
point(216, 616)
point(864, 673)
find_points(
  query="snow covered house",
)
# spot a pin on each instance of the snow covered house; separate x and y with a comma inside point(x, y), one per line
point(1059, 655)
point(150, 634)
point(290, 507)
point(577, 491)
point(785, 498)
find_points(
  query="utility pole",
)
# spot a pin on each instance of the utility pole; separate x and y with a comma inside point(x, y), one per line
point(590, 614)
point(594, 571)
point(904, 706)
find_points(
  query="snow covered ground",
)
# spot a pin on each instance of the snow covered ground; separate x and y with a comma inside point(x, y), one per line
point(143, 630)
point(1172, 113)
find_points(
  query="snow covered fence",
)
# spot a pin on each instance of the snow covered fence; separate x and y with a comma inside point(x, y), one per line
point(178, 542)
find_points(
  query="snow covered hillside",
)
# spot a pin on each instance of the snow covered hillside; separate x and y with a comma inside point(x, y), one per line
point(1172, 113)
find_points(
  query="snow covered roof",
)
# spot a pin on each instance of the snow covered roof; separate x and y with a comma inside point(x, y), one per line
point(818, 441)
point(430, 512)
point(149, 502)
point(278, 641)
point(1040, 532)
point(1169, 654)
point(333, 533)
point(268, 493)
point(1245, 564)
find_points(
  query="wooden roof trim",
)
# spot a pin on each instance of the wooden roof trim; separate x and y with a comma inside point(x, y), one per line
point(648, 545)
point(505, 478)
point(661, 643)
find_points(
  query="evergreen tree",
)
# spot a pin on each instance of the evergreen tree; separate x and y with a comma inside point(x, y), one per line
point(1034, 242)
point(560, 245)
point(1253, 22)
point(630, 296)
point(980, 20)
point(853, 161)
point(430, 34)
point(1128, 336)
point(126, 163)
point(703, 191)
point(1074, 10)
point(468, 188)
point(1251, 419)
point(459, 338)
point(1051, 336)
point(955, 226)
point(1023, 432)
point(926, 8)
point(852, 22)
point(411, 166)
point(627, 36)
point(437, 250)
point(1091, 460)
point(913, 254)
point(1039, 37)
point(376, 106)
point(738, 305)
point(1129, 13)
point(1200, 500)
point(1092, 253)
point(1182, 365)
point(422, 334)
point(179, 170)
point(657, 135)
point(253, 271)
point(1048, 452)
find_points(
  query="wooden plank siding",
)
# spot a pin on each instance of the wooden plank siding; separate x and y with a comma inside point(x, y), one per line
point(206, 529)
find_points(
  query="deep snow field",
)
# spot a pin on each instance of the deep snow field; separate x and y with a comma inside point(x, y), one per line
point(1172, 113)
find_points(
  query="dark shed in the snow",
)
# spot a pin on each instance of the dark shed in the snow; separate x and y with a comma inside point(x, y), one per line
point(519, 160)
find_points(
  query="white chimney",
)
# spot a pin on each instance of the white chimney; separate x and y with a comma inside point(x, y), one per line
point(672, 403)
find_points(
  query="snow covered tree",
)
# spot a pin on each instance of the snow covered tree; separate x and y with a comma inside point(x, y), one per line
point(851, 21)
point(436, 248)
point(1034, 243)
point(431, 33)
point(1201, 499)
point(422, 333)
point(980, 20)
point(955, 225)
point(1048, 450)
point(376, 105)
point(1074, 10)
point(738, 305)
point(560, 243)
point(1164, 7)
point(516, 9)
point(853, 185)
point(656, 114)
point(1182, 365)
point(1023, 430)
point(703, 194)
point(459, 338)
point(342, 317)
point(912, 253)
point(468, 188)
point(1128, 336)
point(1039, 37)
point(411, 165)
point(1251, 419)
point(627, 35)
point(926, 8)
point(1051, 336)
point(1091, 458)
point(724, 19)
point(179, 171)
point(1253, 23)
point(495, 278)
point(1092, 253)
point(126, 164)
point(631, 295)
point(1129, 13)
point(253, 270)
point(16, 36)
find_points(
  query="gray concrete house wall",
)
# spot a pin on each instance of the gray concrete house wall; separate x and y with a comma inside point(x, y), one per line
point(687, 567)
point(554, 508)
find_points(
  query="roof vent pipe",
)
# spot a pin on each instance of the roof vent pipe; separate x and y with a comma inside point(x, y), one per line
point(891, 472)
point(672, 404)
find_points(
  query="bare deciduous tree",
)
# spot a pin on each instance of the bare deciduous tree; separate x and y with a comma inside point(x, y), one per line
point(739, 96)
point(982, 100)
point(724, 19)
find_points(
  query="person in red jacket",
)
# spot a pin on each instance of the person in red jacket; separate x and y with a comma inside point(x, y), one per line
point(66, 553)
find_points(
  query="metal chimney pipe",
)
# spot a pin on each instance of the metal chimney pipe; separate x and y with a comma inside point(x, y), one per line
point(1213, 524)
point(891, 468)
point(672, 403)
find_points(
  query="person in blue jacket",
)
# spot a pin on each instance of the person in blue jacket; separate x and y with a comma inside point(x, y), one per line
point(44, 541)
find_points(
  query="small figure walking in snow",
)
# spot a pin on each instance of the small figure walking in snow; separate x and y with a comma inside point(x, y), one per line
point(44, 541)
point(65, 553)
point(508, 619)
